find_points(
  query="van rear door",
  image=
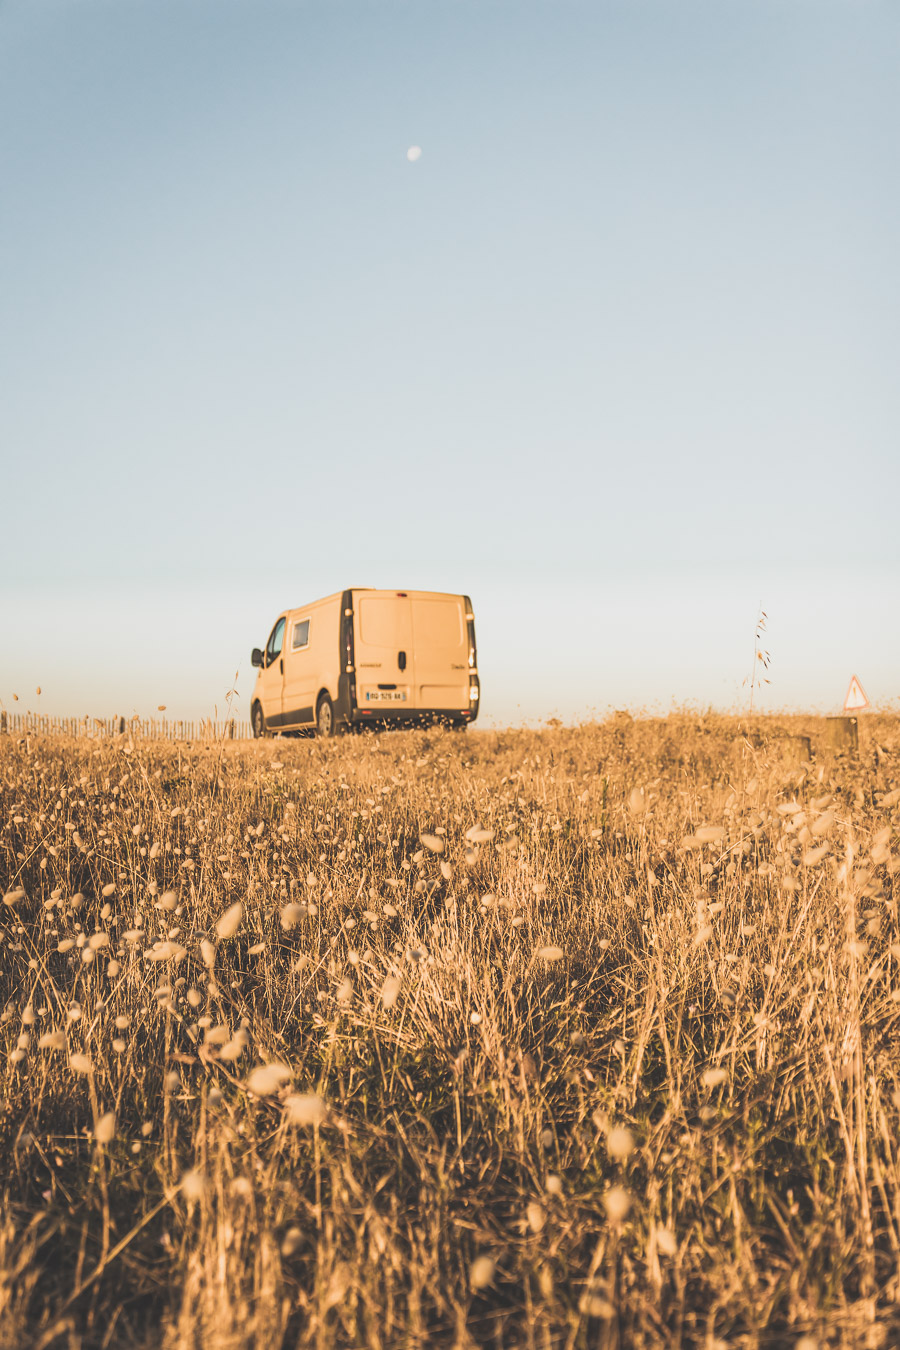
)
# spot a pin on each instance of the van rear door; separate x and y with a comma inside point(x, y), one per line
point(440, 640)
point(385, 668)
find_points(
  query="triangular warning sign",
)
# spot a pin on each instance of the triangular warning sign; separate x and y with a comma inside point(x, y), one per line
point(856, 697)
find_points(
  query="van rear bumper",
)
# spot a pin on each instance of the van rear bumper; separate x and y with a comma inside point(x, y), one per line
point(411, 716)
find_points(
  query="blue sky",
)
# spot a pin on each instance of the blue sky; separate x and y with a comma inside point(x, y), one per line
point(616, 356)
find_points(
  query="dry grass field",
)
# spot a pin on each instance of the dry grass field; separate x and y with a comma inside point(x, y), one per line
point(570, 1038)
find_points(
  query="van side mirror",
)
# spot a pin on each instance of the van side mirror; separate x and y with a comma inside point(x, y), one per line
point(256, 657)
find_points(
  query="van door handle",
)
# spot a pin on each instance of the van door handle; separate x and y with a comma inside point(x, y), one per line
point(401, 660)
point(281, 665)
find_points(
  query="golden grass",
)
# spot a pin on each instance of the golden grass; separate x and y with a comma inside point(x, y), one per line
point(574, 1038)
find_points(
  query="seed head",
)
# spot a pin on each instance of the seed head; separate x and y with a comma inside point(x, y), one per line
point(620, 1143)
point(536, 1216)
point(478, 835)
point(230, 921)
point(481, 1272)
point(268, 1078)
point(550, 954)
point(389, 991)
point(193, 1184)
point(617, 1203)
point(105, 1129)
point(305, 1108)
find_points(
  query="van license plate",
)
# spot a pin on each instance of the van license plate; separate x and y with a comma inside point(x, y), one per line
point(385, 695)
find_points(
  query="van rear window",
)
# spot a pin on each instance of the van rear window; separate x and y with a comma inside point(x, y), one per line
point(301, 635)
point(438, 622)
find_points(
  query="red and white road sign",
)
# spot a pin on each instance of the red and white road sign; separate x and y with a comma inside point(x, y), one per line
point(856, 697)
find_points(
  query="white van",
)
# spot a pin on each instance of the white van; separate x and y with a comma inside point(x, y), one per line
point(364, 656)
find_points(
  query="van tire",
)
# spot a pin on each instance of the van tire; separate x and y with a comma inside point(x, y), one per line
point(258, 722)
point(325, 717)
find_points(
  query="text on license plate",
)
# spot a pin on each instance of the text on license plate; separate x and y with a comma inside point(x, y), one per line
point(385, 695)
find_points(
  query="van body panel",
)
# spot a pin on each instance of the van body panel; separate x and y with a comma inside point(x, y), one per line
point(381, 657)
point(310, 660)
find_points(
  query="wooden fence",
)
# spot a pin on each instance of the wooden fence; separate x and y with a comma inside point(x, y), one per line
point(150, 729)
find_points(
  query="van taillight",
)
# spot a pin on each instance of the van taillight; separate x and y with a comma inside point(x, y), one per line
point(348, 640)
point(470, 630)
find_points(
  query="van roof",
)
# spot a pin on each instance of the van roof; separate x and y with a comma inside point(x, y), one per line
point(384, 590)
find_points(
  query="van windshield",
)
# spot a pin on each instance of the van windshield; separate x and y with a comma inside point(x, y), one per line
point(275, 642)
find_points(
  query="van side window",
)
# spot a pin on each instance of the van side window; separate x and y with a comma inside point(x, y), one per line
point(300, 636)
point(275, 642)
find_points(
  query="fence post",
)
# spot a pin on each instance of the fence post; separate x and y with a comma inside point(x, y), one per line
point(842, 735)
point(230, 729)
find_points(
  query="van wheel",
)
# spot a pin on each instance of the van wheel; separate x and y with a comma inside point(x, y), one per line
point(325, 717)
point(258, 721)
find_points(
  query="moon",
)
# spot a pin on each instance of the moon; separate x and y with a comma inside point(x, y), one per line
point(413, 153)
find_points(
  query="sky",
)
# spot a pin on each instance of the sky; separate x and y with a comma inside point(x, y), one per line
point(616, 355)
